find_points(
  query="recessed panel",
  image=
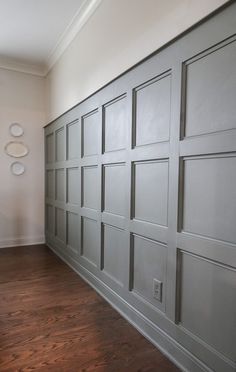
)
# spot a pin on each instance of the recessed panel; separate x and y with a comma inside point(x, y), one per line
point(115, 189)
point(72, 141)
point(90, 240)
point(209, 199)
point(150, 188)
point(90, 187)
point(210, 92)
point(73, 185)
point(49, 218)
point(208, 302)
point(114, 253)
point(60, 185)
point(60, 224)
point(152, 111)
point(49, 148)
point(90, 134)
point(73, 231)
point(115, 125)
point(149, 264)
point(60, 147)
point(50, 184)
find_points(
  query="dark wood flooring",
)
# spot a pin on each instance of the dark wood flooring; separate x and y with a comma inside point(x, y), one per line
point(51, 320)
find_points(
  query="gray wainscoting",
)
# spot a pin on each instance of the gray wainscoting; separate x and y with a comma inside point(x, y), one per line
point(141, 195)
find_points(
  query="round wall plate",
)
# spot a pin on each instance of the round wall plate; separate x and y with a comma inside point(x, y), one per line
point(17, 168)
point(16, 149)
point(16, 130)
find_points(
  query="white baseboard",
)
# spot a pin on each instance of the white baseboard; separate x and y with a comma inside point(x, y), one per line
point(21, 241)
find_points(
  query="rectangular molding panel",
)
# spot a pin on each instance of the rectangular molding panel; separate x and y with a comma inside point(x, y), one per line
point(140, 185)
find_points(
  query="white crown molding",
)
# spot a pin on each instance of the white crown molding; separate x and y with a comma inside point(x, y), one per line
point(80, 18)
point(14, 65)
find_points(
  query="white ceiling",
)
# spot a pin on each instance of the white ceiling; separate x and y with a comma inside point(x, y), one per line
point(30, 30)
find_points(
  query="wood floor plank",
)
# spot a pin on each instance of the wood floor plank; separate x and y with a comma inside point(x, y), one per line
point(51, 320)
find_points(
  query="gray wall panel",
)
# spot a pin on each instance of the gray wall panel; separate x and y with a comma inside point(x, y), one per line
point(72, 235)
point(90, 240)
point(209, 197)
point(90, 134)
point(115, 124)
point(208, 302)
point(73, 185)
point(148, 262)
point(60, 227)
point(150, 188)
point(90, 187)
point(59, 145)
point(152, 116)
point(210, 91)
point(114, 188)
point(49, 184)
point(72, 141)
point(114, 253)
point(49, 218)
point(141, 197)
point(60, 185)
point(49, 148)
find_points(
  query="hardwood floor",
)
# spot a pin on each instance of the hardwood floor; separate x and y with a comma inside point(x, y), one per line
point(51, 320)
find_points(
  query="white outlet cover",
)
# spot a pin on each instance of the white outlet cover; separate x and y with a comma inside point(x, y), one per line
point(157, 290)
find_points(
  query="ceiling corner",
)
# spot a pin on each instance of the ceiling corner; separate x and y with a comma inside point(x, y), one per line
point(79, 20)
point(18, 66)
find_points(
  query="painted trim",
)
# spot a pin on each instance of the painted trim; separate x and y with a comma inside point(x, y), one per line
point(14, 65)
point(160, 339)
point(80, 18)
point(21, 241)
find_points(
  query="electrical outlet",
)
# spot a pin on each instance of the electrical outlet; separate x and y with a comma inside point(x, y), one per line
point(157, 290)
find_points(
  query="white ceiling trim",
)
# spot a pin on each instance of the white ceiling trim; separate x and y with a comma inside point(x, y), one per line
point(14, 65)
point(81, 17)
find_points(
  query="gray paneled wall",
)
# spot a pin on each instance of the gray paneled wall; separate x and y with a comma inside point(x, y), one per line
point(141, 197)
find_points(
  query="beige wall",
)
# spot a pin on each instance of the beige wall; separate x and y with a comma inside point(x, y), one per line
point(22, 198)
point(118, 35)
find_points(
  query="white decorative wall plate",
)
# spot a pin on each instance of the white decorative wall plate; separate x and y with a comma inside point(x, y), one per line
point(16, 149)
point(17, 168)
point(16, 130)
